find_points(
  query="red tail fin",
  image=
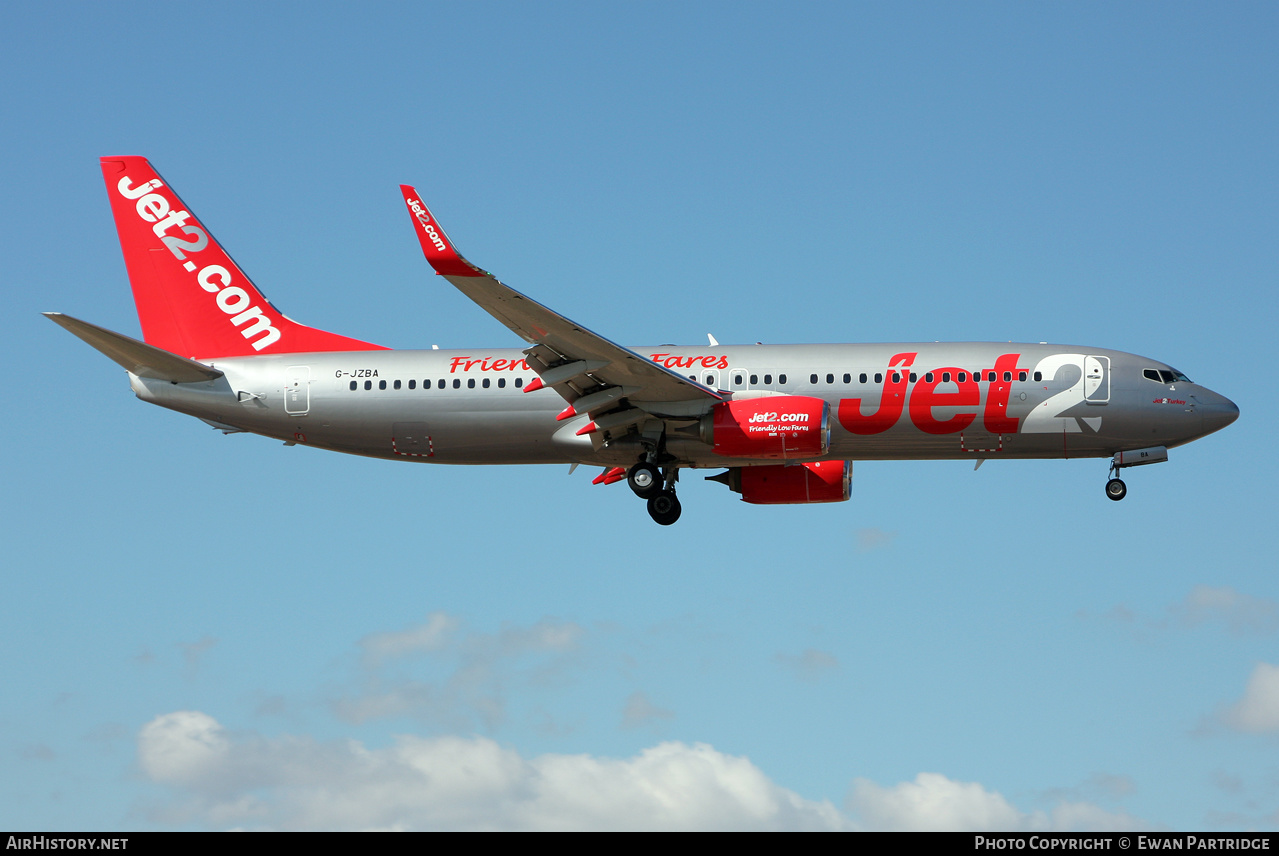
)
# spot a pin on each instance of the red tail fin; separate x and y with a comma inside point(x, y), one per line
point(192, 299)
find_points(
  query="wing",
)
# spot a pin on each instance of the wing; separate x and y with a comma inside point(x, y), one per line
point(593, 374)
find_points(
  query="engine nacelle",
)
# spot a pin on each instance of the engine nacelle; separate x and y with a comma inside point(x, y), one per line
point(819, 481)
point(779, 426)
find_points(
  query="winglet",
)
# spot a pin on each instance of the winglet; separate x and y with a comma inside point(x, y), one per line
point(436, 245)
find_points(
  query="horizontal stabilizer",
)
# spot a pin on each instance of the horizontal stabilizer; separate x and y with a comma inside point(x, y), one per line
point(138, 357)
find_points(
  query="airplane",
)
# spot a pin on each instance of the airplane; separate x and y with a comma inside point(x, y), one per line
point(785, 422)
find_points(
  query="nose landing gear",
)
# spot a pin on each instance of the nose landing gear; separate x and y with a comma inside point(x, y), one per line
point(1116, 489)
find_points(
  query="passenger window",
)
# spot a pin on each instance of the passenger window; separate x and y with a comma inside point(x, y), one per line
point(962, 377)
point(397, 384)
point(830, 378)
point(1021, 376)
point(737, 380)
point(928, 377)
point(354, 384)
point(1039, 376)
point(413, 384)
point(781, 379)
point(990, 376)
point(1008, 376)
point(945, 377)
point(754, 379)
point(848, 378)
point(861, 378)
point(710, 380)
point(381, 384)
point(812, 378)
point(457, 383)
point(768, 380)
point(879, 377)
point(368, 384)
point(913, 377)
point(519, 382)
point(897, 377)
point(501, 383)
point(470, 383)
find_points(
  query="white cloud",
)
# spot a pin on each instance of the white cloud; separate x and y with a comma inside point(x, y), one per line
point(874, 539)
point(640, 711)
point(192, 652)
point(216, 778)
point(1258, 711)
point(1098, 785)
point(455, 783)
point(1241, 613)
point(809, 665)
point(481, 667)
point(182, 747)
point(932, 802)
point(431, 636)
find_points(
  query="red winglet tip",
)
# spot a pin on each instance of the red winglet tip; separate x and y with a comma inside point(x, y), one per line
point(566, 413)
point(436, 246)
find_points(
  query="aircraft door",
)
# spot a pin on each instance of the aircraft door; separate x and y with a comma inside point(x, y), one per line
point(412, 440)
point(1096, 379)
point(297, 390)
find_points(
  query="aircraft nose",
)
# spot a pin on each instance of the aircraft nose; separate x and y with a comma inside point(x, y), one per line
point(1218, 412)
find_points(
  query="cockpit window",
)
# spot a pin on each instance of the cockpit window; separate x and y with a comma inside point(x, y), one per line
point(1165, 376)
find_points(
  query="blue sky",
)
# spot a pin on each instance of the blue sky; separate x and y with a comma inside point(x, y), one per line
point(219, 632)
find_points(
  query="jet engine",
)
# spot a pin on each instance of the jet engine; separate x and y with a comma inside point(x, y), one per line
point(781, 484)
point(779, 426)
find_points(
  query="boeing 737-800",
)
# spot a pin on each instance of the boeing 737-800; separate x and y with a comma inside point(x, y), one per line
point(784, 421)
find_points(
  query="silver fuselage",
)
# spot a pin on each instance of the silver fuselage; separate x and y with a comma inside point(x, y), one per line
point(464, 407)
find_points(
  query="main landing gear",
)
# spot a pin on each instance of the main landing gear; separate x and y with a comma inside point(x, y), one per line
point(664, 507)
point(648, 482)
